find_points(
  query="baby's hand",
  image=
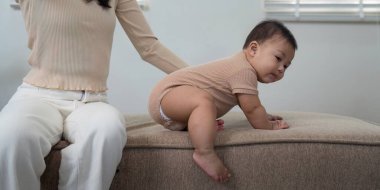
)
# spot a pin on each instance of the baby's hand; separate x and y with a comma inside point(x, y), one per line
point(279, 124)
point(273, 117)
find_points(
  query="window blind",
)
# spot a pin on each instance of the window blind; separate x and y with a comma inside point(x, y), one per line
point(323, 10)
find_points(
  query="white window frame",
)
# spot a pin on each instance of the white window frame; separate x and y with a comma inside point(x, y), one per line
point(323, 10)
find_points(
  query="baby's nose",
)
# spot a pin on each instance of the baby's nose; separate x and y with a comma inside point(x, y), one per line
point(281, 69)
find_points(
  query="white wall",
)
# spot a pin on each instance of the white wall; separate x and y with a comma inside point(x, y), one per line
point(336, 69)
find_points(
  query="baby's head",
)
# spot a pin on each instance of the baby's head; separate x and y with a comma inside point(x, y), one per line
point(270, 48)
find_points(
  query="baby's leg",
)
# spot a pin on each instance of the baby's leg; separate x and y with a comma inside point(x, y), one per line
point(219, 125)
point(202, 133)
point(196, 107)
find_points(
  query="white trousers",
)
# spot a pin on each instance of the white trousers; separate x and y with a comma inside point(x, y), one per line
point(36, 118)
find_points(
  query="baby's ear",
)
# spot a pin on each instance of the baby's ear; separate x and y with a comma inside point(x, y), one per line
point(252, 48)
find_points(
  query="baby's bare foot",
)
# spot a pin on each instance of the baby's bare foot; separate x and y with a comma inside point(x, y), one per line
point(210, 163)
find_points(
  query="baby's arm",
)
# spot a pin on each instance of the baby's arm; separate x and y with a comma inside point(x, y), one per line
point(256, 114)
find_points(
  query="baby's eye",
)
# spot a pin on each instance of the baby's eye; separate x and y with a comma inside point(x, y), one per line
point(278, 58)
point(286, 66)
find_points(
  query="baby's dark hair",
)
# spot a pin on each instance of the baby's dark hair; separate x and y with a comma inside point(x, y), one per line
point(267, 29)
point(102, 3)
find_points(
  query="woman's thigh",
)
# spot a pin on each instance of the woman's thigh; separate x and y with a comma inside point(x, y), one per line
point(91, 118)
point(31, 120)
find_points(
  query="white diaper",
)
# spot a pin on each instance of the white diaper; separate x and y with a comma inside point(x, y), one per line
point(170, 124)
point(163, 116)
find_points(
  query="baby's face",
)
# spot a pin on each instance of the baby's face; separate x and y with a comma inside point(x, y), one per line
point(272, 58)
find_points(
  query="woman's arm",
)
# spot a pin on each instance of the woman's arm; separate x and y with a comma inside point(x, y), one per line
point(146, 43)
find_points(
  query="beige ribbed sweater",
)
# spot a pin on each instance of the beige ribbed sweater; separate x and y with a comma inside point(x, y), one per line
point(222, 79)
point(71, 42)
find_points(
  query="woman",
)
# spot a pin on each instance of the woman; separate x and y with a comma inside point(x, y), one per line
point(64, 93)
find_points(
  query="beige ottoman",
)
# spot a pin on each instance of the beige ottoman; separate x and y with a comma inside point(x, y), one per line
point(318, 151)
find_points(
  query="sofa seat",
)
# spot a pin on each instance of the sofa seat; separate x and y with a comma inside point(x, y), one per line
point(318, 151)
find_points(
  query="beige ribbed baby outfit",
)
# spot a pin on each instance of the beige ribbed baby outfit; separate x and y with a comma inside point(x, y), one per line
point(222, 79)
point(71, 42)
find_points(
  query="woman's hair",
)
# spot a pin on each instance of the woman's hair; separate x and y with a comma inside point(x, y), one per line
point(267, 29)
point(102, 3)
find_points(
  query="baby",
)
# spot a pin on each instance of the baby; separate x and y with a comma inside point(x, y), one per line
point(195, 97)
